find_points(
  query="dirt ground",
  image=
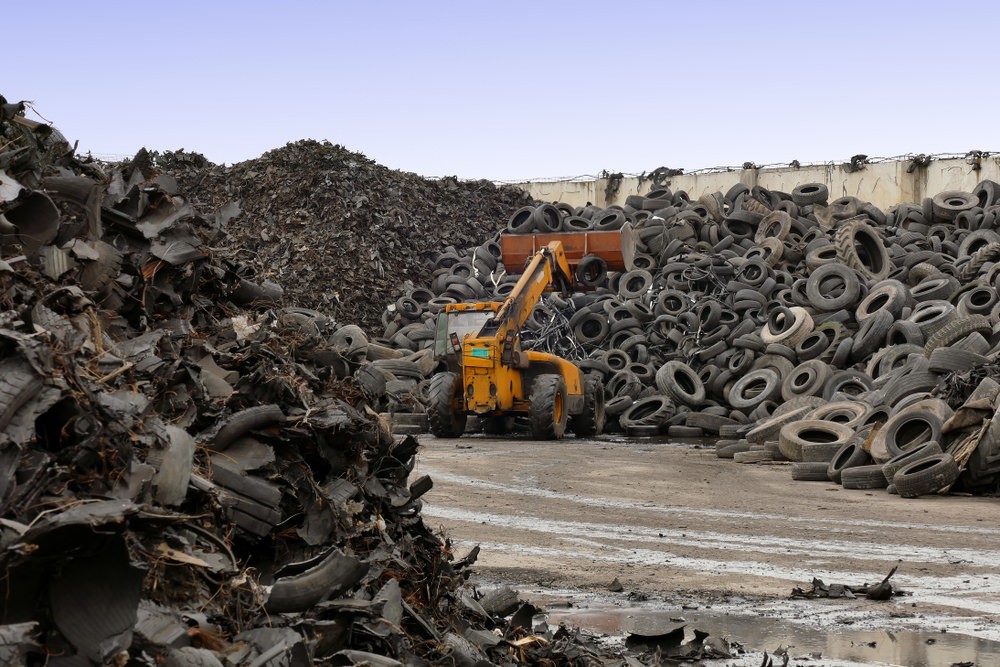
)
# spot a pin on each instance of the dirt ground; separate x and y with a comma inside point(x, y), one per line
point(674, 523)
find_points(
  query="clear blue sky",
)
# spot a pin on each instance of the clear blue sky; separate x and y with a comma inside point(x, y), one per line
point(513, 90)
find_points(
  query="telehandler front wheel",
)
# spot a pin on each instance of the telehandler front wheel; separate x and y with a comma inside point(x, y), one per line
point(547, 409)
point(591, 420)
point(445, 408)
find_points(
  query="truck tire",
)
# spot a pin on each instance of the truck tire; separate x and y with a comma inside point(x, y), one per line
point(444, 411)
point(547, 409)
point(591, 420)
point(860, 247)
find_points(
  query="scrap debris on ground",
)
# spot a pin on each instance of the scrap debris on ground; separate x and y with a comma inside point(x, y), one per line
point(881, 591)
point(192, 474)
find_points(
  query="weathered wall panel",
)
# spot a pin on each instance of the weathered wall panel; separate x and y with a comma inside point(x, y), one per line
point(883, 184)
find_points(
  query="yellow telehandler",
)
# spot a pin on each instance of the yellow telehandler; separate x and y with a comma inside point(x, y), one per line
point(489, 375)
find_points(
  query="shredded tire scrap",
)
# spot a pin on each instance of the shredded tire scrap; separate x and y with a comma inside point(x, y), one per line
point(192, 475)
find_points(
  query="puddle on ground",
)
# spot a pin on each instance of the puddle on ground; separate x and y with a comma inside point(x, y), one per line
point(906, 648)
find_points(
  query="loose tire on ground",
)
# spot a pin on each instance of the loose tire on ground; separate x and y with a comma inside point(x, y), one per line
point(850, 455)
point(863, 477)
point(926, 476)
point(809, 472)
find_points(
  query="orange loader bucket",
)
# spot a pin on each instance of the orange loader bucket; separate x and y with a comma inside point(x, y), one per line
point(616, 247)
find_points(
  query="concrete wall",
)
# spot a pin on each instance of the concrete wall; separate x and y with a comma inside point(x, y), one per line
point(884, 184)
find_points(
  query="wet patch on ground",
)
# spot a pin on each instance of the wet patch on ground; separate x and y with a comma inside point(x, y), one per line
point(805, 631)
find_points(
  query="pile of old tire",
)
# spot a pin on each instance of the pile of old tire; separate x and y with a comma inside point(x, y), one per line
point(743, 301)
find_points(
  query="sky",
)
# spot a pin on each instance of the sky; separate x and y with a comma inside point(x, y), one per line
point(513, 90)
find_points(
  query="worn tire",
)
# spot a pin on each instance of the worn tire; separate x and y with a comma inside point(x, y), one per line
point(982, 470)
point(788, 326)
point(956, 330)
point(795, 435)
point(892, 466)
point(970, 269)
point(444, 408)
point(833, 287)
point(931, 316)
point(635, 283)
point(948, 204)
point(677, 380)
point(753, 456)
point(547, 407)
point(820, 452)
point(872, 334)
point(708, 422)
point(890, 295)
point(909, 384)
point(861, 248)
point(768, 429)
point(863, 477)
point(521, 221)
point(809, 472)
point(754, 388)
point(849, 456)
point(652, 410)
point(807, 379)
point(592, 270)
point(950, 359)
point(926, 476)
point(909, 429)
point(729, 451)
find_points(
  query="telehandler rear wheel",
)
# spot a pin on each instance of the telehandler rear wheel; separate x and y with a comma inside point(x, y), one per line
point(547, 409)
point(591, 420)
point(444, 405)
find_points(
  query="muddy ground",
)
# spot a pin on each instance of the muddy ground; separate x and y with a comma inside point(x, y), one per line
point(682, 529)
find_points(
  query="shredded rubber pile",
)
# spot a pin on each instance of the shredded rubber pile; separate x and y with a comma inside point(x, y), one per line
point(339, 232)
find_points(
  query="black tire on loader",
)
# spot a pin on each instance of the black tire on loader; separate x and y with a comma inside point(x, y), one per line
point(444, 413)
point(547, 408)
point(591, 420)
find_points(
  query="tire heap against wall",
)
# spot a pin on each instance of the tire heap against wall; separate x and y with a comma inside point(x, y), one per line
point(756, 306)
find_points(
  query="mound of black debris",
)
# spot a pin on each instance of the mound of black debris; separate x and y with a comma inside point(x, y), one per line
point(192, 475)
point(339, 232)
